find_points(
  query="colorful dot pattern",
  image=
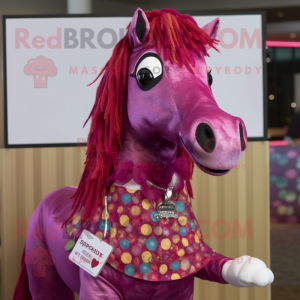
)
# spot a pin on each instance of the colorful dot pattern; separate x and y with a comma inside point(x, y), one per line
point(147, 247)
point(285, 184)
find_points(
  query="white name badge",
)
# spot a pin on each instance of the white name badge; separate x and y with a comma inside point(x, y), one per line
point(90, 253)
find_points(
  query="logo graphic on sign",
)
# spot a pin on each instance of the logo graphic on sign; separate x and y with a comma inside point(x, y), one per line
point(40, 68)
point(40, 258)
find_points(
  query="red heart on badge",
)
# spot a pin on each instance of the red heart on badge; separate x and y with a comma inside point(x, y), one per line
point(94, 263)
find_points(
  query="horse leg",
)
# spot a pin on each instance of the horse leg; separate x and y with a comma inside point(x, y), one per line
point(44, 280)
point(112, 284)
point(97, 288)
point(213, 270)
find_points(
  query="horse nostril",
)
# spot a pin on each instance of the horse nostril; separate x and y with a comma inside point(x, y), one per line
point(205, 137)
point(243, 144)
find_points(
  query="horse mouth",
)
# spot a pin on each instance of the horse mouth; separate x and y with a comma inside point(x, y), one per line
point(207, 170)
point(214, 171)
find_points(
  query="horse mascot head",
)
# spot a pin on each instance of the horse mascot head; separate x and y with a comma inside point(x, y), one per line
point(155, 103)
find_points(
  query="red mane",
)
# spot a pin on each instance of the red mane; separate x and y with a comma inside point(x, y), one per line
point(177, 36)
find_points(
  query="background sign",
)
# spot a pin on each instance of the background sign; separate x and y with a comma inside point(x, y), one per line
point(49, 62)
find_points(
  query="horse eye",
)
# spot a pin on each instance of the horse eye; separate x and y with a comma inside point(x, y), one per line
point(209, 78)
point(148, 71)
point(144, 76)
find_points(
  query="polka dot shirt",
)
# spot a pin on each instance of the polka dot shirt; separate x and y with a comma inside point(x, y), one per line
point(147, 247)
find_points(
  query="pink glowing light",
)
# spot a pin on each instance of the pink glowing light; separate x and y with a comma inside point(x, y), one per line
point(279, 143)
point(292, 44)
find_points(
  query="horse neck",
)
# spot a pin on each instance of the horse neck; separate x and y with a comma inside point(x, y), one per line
point(138, 148)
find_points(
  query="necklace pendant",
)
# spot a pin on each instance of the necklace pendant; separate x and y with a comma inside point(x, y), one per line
point(167, 208)
point(166, 214)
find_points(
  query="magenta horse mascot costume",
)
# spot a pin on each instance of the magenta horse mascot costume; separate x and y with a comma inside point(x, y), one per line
point(154, 117)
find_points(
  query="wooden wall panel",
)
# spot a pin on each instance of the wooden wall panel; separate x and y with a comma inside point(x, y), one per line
point(28, 175)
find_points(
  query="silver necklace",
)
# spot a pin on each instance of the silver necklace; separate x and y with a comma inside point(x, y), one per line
point(105, 228)
point(166, 208)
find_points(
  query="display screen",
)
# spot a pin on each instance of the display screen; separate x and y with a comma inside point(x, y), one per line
point(50, 61)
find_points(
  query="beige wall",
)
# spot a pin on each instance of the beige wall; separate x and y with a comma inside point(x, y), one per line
point(28, 175)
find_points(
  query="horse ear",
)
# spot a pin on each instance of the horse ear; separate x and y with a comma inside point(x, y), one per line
point(212, 29)
point(139, 29)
